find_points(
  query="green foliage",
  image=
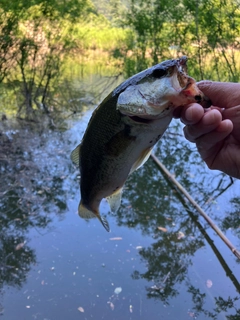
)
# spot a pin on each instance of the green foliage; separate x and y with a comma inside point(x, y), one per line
point(98, 34)
point(206, 30)
point(48, 8)
point(37, 36)
point(214, 31)
point(33, 45)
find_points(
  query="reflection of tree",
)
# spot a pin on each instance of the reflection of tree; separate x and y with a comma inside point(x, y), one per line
point(158, 210)
point(16, 257)
point(227, 306)
point(172, 270)
point(168, 260)
point(34, 170)
point(232, 219)
point(33, 184)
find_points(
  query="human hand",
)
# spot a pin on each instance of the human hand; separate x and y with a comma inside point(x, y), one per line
point(216, 131)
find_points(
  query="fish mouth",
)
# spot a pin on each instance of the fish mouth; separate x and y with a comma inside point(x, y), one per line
point(140, 120)
point(186, 85)
point(180, 79)
point(156, 94)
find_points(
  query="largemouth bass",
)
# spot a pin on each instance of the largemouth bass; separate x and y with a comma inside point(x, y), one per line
point(124, 128)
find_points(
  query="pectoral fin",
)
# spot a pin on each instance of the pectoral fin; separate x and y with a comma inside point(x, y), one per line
point(114, 200)
point(142, 159)
point(84, 213)
point(75, 155)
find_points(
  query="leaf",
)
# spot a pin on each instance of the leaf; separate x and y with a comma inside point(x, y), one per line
point(118, 290)
point(209, 283)
point(191, 314)
point(20, 245)
point(80, 309)
point(162, 229)
point(111, 305)
point(180, 235)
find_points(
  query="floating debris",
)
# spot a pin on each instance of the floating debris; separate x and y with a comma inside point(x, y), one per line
point(209, 283)
point(111, 305)
point(162, 229)
point(118, 290)
point(20, 245)
point(191, 314)
point(180, 235)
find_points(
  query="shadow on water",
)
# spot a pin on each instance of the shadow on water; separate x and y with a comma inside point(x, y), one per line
point(177, 261)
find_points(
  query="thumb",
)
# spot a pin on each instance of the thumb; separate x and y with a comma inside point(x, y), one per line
point(222, 94)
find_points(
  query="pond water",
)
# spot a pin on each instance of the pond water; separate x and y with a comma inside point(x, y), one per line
point(160, 260)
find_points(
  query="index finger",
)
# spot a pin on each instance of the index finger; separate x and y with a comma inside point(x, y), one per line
point(192, 113)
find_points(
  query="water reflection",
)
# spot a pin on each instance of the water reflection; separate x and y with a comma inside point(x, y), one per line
point(37, 176)
point(232, 218)
point(32, 186)
point(38, 182)
point(157, 209)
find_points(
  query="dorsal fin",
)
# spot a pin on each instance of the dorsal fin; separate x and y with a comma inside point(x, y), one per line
point(75, 155)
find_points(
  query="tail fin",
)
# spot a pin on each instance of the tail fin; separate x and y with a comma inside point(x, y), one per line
point(84, 213)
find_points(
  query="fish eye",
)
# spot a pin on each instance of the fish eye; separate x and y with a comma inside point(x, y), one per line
point(159, 73)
